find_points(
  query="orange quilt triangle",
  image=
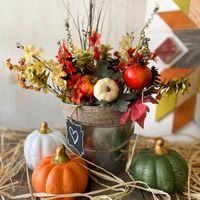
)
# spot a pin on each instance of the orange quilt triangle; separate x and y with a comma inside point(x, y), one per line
point(177, 20)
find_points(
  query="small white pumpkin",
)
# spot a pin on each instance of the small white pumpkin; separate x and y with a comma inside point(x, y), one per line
point(41, 143)
point(106, 89)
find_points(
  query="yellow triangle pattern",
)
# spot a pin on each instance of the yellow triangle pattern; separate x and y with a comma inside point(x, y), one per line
point(165, 106)
point(184, 5)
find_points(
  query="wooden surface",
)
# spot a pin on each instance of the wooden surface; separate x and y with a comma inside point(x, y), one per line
point(135, 195)
point(23, 189)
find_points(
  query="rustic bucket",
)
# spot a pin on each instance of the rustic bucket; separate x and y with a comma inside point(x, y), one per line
point(105, 141)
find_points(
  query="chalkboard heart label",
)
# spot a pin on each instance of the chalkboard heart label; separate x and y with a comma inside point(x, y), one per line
point(75, 136)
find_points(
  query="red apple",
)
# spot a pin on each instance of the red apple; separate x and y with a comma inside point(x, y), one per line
point(137, 76)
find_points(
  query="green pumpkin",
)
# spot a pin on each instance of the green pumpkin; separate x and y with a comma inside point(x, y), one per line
point(160, 168)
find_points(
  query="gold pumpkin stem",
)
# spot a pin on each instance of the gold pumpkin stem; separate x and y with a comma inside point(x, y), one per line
point(159, 148)
point(61, 157)
point(44, 129)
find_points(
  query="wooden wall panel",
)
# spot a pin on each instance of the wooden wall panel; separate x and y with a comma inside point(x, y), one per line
point(194, 11)
point(191, 38)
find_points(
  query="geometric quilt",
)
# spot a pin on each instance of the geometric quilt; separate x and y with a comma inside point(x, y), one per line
point(184, 107)
point(185, 23)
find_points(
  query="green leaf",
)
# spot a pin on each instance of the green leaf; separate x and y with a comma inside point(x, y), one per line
point(105, 52)
point(121, 105)
point(103, 103)
point(129, 96)
point(85, 61)
point(116, 76)
point(103, 71)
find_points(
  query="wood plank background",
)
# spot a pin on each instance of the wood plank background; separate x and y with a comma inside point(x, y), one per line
point(191, 38)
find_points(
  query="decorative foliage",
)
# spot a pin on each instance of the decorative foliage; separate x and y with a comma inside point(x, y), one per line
point(138, 110)
point(77, 69)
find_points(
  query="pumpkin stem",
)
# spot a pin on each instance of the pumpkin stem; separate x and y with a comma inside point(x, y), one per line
point(159, 148)
point(107, 89)
point(44, 129)
point(61, 157)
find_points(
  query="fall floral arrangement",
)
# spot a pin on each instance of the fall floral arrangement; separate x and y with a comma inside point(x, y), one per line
point(96, 75)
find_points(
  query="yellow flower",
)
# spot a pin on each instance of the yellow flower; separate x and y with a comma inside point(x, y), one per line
point(39, 66)
point(125, 44)
point(29, 72)
point(30, 51)
point(77, 50)
point(34, 69)
point(126, 41)
point(57, 74)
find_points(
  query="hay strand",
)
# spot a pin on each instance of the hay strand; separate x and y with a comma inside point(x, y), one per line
point(12, 162)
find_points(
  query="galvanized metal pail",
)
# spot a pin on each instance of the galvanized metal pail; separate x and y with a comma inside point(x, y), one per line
point(105, 141)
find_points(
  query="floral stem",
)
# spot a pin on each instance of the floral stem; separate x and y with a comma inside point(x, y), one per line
point(90, 16)
point(35, 57)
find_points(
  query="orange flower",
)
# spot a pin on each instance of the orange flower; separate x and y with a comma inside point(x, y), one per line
point(75, 79)
point(82, 87)
point(76, 96)
point(65, 57)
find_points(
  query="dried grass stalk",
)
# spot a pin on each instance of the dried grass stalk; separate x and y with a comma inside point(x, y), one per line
point(12, 162)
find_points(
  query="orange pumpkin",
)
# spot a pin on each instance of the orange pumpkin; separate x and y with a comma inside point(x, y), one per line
point(60, 174)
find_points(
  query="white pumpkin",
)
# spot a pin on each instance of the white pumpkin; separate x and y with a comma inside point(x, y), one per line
point(41, 143)
point(106, 89)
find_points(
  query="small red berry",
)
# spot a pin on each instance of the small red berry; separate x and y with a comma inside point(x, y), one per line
point(140, 56)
